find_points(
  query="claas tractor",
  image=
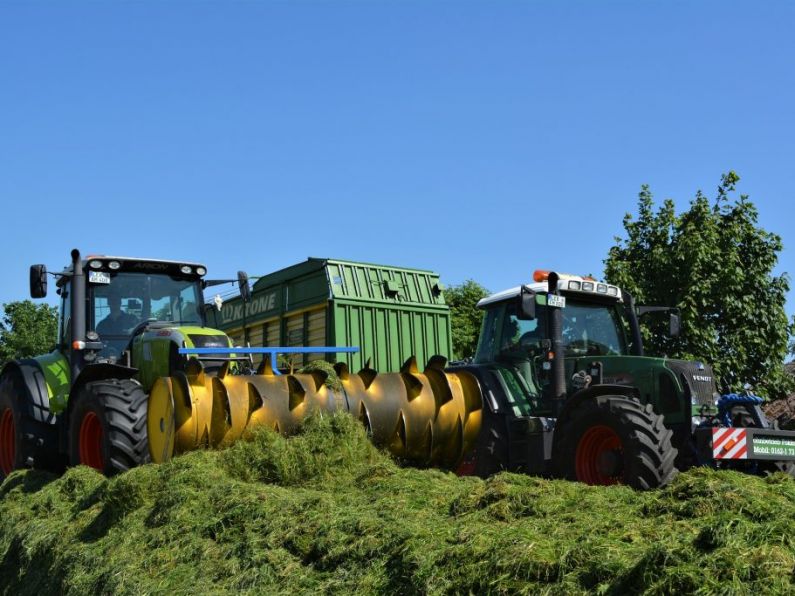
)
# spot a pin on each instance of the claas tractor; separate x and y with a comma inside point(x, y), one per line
point(568, 392)
point(122, 322)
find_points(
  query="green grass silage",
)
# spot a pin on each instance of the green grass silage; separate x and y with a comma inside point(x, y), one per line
point(325, 511)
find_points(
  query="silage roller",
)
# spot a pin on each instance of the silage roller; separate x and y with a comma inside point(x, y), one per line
point(430, 418)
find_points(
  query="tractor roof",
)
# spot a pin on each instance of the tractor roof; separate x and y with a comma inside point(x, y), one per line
point(140, 260)
point(510, 293)
point(574, 285)
point(136, 264)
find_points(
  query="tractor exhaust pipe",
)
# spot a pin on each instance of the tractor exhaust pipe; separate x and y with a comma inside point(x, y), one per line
point(558, 385)
point(78, 306)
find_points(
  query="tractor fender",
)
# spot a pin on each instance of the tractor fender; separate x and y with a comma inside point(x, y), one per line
point(592, 392)
point(37, 405)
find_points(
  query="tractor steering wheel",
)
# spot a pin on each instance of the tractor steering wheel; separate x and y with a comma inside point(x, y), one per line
point(140, 327)
point(156, 323)
point(587, 347)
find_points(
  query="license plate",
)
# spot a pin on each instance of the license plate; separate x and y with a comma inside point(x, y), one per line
point(783, 446)
point(98, 277)
point(556, 301)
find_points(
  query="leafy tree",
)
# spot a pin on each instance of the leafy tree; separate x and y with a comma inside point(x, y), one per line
point(27, 329)
point(465, 316)
point(715, 264)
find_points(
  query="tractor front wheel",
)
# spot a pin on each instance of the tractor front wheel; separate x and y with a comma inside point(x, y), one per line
point(107, 426)
point(613, 439)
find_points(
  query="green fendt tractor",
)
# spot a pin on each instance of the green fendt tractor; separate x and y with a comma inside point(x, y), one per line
point(568, 392)
point(122, 323)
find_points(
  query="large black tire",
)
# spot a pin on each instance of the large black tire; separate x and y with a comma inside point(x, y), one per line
point(613, 439)
point(24, 441)
point(107, 426)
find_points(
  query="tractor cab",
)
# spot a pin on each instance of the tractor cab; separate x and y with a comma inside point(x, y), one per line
point(593, 324)
point(124, 296)
point(593, 320)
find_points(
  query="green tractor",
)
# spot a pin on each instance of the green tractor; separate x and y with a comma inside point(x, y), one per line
point(122, 324)
point(568, 392)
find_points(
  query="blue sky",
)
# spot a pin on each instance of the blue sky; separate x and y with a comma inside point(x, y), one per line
point(479, 139)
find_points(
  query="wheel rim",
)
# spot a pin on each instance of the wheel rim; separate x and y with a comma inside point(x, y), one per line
point(91, 441)
point(8, 442)
point(599, 458)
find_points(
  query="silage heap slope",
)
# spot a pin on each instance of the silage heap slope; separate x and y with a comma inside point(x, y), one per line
point(326, 511)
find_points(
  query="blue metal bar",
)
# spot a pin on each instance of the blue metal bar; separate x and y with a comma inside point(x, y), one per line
point(270, 350)
point(273, 351)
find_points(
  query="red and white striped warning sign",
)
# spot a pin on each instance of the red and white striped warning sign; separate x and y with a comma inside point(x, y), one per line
point(729, 443)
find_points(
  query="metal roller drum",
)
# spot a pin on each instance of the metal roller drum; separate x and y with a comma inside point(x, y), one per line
point(430, 418)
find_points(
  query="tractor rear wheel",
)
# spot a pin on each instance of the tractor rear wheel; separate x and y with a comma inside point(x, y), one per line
point(12, 449)
point(23, 440)
point(107, 426)
point(613, 439)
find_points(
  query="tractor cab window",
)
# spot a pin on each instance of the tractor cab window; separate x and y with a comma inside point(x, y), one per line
point(520, 338)
point(65, 322)
point(130, 299)
point(116, 314)
point(592, 330)
point(504, 335)
point(179, 305)
point(488, 335)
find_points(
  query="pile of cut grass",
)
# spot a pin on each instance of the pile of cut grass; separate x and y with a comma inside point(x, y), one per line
point(325, 511)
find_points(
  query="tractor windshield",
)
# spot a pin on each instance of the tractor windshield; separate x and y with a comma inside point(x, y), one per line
point(589, 329)
point(132, 298)
point(593, 329)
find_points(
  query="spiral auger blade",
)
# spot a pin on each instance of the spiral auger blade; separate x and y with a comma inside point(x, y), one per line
point(193, 409)
point(428, 418)
point(458, 405)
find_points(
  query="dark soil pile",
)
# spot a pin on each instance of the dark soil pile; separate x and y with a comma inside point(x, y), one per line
point(782, 411)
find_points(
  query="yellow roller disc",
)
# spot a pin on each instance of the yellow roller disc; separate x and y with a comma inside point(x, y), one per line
point(160, 422)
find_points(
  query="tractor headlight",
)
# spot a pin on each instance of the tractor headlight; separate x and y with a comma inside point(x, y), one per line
point(186, 270)
point(575, 285)
point(95, 264)
point(201, 270)
point(115, 265)
point(587, 286)
point(612, 291)
point(601, 288)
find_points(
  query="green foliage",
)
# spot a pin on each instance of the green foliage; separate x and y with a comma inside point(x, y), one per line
point(715, 264)
point(326, 512)
point(465, 317)
point(27, 329)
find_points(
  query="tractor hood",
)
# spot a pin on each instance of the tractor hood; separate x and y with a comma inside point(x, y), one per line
point(154, 352)
point(697, 377)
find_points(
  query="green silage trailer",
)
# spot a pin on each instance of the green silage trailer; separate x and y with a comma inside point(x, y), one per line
point(390, 313)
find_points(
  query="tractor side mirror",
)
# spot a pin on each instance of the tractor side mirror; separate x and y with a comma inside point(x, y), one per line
point(527, 304)
point(38, 281)
point(242, 282)
point(674, 325)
